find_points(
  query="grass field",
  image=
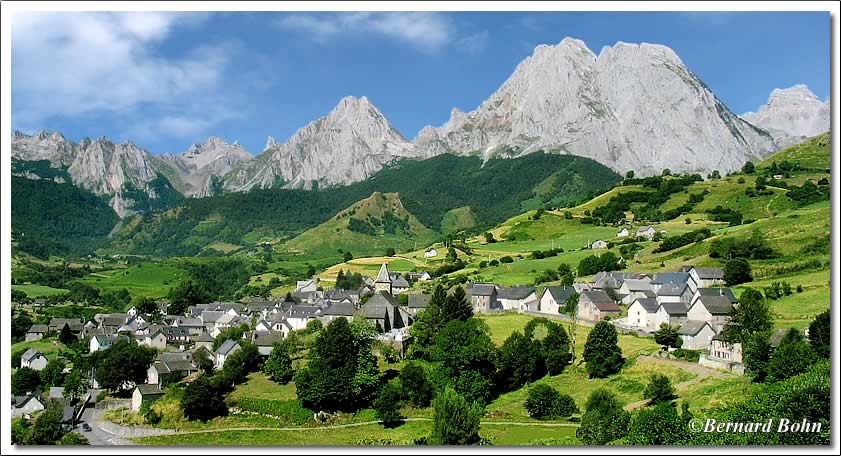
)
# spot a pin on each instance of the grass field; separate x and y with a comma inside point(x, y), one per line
point(49, 347)
point(38, 291)
point(260, 386)
point(145, 279)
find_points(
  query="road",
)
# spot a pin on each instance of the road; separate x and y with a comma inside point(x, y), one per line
point(98, 435)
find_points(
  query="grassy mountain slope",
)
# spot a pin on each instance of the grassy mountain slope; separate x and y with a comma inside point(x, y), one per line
point(366, 228)
point(50, 218)
point(429, 189)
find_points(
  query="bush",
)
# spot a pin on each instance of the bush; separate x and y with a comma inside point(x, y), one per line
point(292, 411)
point(659, 389)
point(387, 404)
point(455, 422)
point(604, 420)
point(737, 271)
point(545, 402)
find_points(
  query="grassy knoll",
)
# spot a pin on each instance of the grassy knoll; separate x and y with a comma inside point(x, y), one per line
point(49, 347)
point(144, 279)
point(38, 291)
point(260, 386)
point(523, 271)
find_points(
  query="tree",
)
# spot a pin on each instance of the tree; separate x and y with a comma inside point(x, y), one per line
point(567, 215)
point(75, 385)
point(555, 346)
point(752, 315)
point(204, 361)
point(387, 404)
point(233, 333)
point(185, 294)
point(604, 419)
point(20, 324)
point(542, 402)
point(737, 271)
point(756, 353)
point(202, 401)
point(749, 168)
point(601, 351)
point(468, 356)
point(390, 252)
point(239, 364)
point(565, 406)
point(819, 336)
point(666, 172)
point(313, 326)
point(455, 422)
point(667, 336)
point(489, 237)
point(792, 357)
point(47, 429)
point(123, 364)
point(629, 174)
point(66, 336)
point(659, 389)
point(279, 365)
point(144, 304)
point(20, 427)
point(52, 374)
point(521, 361)
point(25, 380)
point(417, 388)
point(715, 175)
point(346, 258)
point(73, 438)
point(658, 425)
point(456, 306)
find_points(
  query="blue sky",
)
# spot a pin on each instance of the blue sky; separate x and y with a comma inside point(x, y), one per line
point(167, 80)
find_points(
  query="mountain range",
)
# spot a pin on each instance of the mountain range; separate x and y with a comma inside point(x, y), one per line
point(631, 107)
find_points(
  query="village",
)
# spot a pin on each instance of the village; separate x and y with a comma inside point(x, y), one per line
point(692, 300)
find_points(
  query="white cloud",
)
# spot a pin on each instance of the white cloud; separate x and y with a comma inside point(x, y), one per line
point(473, 44)
point(71, 64)
point(426, 31)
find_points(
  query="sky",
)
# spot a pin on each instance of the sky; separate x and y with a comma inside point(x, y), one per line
point(167, 80)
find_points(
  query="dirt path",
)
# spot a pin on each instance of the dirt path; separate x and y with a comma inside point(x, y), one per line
point(701, 373)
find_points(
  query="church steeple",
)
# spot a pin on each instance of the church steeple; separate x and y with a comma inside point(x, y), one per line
point(383, 281)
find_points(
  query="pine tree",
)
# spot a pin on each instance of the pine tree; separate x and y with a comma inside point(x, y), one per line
point(456, 306)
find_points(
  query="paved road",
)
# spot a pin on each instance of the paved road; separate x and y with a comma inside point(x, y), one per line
point(98, 435)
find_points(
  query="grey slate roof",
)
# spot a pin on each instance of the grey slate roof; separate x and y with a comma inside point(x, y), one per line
point(670, 277)
point(38, 329)
point(710, 273)
point(227, 347)
point(515, 292)
point(601, 300)
point(716, 305)
point(340, 308)
point(480, 289)
point(560, 294)
point(303, 312)
point(400, 282)
point(672, 289)
point(205, 337)
point(377, 306)
point(674, 308)
point(266, 338)
point(649, 304)
point(30, 354)
point(149, 390)
point(692, 327)
point(727, 292)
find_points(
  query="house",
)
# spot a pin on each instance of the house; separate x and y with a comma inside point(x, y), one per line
point(36, 332)
point(339, 309)
point(673, 313)
point(641, 312)
point(228, 348)
point(723, 355)
point(399, 285)
point(307, 285)
point(144, 393)
point(707, 277)
point(390, 282)
point(674, 292)
point(27, 404)
point(204, 340)
point(175, 335)
point(553, 299)
point(193, 325)
point(647, 232)
point(308, 297)
point(98, 343)
point(275, 322)
point(713, 309)
point(516, 298)
point(422, 276)
point(599, 245)
point(623, 233)
point(595, 305)
point(632, 289)
point(383, 310)
point(430, 253)
point(75, 325)
point(265, 340)
point(418, 302)
point(483, 296)
point(299, 316)
point(155, 340)
point(695, 335)
point(726, 292)
point(662, 278)
point(614, 280)
point(33, 359)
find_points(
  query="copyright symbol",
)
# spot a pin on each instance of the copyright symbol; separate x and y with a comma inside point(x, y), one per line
point(696, 424)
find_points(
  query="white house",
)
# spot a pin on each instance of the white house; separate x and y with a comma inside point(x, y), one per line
point(103, 342)
point(674, 292)
point(695, 335)
point(723, 355)
point(144, 393)
point(306, 285)
point(647, 232)
point(707, 277)
point(599, 245)
point(713, 309)
point(228, 348)
point(632, 289)
point(33, 359)
point(641, 312)
point(662, 278)
point(265, 340)
point(516, 298)
point(36, 332)
point(430, 253)
point(155, 340)
point(204, 340)
point(673, 313)
point(553, 298)
point(26, 405)
point(623, 233)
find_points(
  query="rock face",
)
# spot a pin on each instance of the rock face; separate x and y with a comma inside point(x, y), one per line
point(100, 166)
point(347, 145)
point(632, 107)
point(792, 115)
point(197, 166)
